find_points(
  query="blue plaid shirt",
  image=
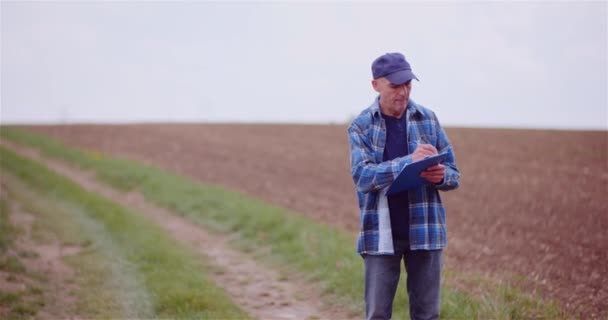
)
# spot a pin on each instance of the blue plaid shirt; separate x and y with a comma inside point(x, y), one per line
point(372, 177)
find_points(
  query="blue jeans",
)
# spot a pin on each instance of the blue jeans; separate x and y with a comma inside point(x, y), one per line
point(423, 268)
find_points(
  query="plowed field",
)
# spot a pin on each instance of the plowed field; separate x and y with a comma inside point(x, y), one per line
point(532, 203)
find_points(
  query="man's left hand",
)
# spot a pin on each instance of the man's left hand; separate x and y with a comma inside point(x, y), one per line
point(434, 174)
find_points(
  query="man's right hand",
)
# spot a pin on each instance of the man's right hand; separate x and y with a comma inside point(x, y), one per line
point(422, 151)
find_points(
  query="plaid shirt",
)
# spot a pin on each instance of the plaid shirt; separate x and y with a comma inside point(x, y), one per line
point(372, 177)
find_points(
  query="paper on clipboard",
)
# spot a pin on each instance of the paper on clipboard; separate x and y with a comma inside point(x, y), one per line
point(409, 177)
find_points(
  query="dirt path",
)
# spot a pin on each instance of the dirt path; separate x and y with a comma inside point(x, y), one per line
point(44, 259)
point(260, 291)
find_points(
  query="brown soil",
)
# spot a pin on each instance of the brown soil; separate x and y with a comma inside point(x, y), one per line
point(260, 291)
point(531, 202)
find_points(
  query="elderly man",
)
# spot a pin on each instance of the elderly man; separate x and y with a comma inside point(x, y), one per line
point(410, 226)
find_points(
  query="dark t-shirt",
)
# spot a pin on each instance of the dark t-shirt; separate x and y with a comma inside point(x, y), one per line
point(398, 204)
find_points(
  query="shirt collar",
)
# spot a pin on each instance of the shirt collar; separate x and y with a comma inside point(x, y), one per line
point(411, 106)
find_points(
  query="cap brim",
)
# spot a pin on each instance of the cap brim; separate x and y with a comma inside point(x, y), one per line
point(401, 77)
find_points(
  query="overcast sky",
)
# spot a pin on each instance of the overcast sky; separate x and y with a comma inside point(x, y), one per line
point(505, 63)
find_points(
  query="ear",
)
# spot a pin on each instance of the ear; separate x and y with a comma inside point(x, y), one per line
point(376, 84)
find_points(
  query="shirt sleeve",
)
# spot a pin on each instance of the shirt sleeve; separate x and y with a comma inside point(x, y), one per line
point(368, 175)
point(451, 179)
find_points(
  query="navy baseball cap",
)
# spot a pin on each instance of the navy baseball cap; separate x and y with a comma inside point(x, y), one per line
point(393, 67)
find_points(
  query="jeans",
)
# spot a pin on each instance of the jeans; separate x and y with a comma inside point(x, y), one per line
point(423, 268)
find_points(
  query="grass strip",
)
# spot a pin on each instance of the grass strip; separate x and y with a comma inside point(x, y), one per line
point(20, 302)
point(325, 253)
point(99, 292)
point(5, 227)
point(172, 274)
point(107, 285)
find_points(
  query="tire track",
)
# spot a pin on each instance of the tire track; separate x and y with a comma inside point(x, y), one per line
point(257, 289)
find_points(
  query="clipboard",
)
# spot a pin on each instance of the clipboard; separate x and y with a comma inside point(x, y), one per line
point(409, 177)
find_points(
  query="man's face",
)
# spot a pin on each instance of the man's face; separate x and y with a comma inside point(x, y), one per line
point(393, 98)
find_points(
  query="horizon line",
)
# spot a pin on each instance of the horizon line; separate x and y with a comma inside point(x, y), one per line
point(329, 123)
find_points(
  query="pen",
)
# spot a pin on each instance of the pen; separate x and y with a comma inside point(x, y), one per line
point(421, 140)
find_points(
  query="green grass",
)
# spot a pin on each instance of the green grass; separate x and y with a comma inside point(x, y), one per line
point(19, 302)
point(172, 275)
point(18, 306)
point(8, 262)
point(326, 254)
point(103, 284)
point(6, 229)
point(12, 264)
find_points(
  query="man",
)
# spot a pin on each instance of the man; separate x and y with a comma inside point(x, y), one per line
point(391, 133)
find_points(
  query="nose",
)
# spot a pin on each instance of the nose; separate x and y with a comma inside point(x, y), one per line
point(403, 89)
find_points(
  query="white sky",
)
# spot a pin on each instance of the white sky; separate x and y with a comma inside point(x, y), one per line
point(503, 63)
